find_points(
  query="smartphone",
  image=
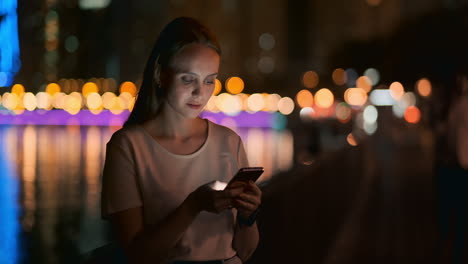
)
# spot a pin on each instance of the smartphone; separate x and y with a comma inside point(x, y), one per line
point(247, 174)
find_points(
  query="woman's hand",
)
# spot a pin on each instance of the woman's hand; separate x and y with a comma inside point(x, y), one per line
point(205, 198)
point(249, 200)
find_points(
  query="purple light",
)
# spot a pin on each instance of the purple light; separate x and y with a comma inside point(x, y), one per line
point(107, 118)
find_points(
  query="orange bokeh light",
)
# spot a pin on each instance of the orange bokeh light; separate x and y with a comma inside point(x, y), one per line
point(424, 87)
point(304, 98)
point(396, 90)
point(310, 79)
point(128, 87)
point(412, 114)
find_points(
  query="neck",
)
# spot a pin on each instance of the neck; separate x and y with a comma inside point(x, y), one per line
point(173, 125)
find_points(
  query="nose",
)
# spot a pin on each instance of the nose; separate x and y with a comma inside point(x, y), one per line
point(196, 89)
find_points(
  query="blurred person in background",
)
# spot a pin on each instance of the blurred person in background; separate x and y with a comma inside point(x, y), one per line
point(158, 186)
point(452, 171)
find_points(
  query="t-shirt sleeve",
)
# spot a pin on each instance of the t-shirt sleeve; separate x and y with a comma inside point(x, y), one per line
point(242, 160)
point(120, 189)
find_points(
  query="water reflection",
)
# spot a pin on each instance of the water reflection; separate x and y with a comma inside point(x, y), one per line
point(54, 171)
point(9, 226)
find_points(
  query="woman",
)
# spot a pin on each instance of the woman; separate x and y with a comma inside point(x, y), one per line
point(157, 188)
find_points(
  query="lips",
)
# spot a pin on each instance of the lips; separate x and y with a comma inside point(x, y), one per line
point(194, 106)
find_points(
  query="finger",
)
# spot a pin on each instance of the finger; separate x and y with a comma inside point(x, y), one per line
point(223, 204)
point(242, 205)
point(248, 198)
point(236, 184)
point(231, 193)
point(253, 189)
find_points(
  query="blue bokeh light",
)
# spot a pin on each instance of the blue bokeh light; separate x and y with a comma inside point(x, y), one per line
point(9, 46)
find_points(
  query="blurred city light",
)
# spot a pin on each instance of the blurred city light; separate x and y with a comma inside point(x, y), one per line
point(351, 140)
point(286, 105)
point(396, 90)
point(339, 76)
point(424, 87)
point(304, 98)
point(128, 87)
point(218, 87)
point(52, 88)
point(266, 64)
point(370, 114)
point(266, 41)
point(355, 96)
point(412, 114)
point(365, 83)
point(351, 77)
point(9, 46)
point(381, 97)
point(324, 98)
point(234, 85)
point(310, 79)
point(373, 75)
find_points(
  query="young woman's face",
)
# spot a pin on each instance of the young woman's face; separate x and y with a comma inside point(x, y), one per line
point(191, 80)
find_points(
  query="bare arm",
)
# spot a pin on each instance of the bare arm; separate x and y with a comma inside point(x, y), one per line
point(246, 238)
point(145, 244)
point(154, 244)
point(245, 241)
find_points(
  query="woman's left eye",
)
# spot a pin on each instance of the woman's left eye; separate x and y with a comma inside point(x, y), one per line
point(187, 80)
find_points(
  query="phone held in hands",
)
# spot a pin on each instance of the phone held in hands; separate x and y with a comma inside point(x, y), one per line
point(247, 174)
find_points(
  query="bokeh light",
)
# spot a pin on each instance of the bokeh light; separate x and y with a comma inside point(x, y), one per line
point(412, 114)
point(381, 97)
point(271, 102)
point(365, 83)
point(44, 101)
point(304, 98)
point(234, 85)
point(324, 98)
point(370, 114)
point(286, 105)
point(128, 87)
point(343, 112)
point(229, 104)
point(89, 87)
point(355, 96)
point(93, 101)
point(307, 114)
point(310, 79)
point(108, 100)
point(339, 76)
point(424, 87)
point(351, 77)
point(266, 64)
point(266, 41)
point(58, 100)
point(218, 87)
point(370, 128)
point(255, 102)
point(30, 101)
point(396, 90)
point(17, 89)
point(10, 100)
point(52, 88)
point(373, 75)
point(351, 140)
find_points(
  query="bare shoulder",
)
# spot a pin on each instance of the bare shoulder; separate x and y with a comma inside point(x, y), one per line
point(223, 131)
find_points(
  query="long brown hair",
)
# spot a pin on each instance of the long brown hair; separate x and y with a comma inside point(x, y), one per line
point(179, 33)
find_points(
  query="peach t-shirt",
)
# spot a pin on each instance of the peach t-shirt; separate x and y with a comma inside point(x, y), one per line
point(140, 172)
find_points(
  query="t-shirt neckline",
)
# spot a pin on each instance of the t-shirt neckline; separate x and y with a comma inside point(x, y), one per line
point(199, 150)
